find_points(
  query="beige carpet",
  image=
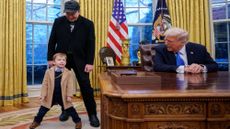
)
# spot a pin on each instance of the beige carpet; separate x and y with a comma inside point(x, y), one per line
point(21, 119)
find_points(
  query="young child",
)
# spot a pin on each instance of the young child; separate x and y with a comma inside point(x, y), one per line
point(57, 88)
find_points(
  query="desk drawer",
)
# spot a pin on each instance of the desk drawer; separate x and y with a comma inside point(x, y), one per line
point(167, 111)
point(176, 125)
point(218, 125)
point(218, 110)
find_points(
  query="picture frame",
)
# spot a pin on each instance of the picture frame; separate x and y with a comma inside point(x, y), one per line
point(109, 61)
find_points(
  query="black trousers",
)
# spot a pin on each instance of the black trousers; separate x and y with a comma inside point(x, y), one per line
point(85, 86)
point(43, 110)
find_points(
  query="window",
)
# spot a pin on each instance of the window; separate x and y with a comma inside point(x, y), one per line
point(139, 15)
point(221, 23)
point(39, 17)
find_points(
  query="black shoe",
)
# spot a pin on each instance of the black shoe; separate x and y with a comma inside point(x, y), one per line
point(64, 116)
point(94, 122)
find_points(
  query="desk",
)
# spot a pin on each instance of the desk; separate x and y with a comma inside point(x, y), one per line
point(179, 101)
point(111, 68)
point(123, 67)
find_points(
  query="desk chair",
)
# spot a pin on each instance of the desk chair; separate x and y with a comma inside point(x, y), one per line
point(147, 54)
point(106, 52)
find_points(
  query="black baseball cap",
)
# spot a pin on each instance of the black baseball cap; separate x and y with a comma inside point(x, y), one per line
point(71, 6)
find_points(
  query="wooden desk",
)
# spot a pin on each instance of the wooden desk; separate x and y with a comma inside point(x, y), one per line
point(123, 67)
point(179, 101)
point(109, 68)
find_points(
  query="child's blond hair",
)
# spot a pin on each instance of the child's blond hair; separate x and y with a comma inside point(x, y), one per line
point(59, 54)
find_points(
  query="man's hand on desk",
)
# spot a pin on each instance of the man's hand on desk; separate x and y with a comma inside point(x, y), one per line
point(194, 68)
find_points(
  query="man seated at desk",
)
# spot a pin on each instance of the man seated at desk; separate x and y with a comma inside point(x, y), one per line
point(179, 55)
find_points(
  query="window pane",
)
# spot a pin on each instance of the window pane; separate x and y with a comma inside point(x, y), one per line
point(220, 30)
point(147, 33)
point(29, 75)
point(39, 1)
point(28, 11)
point(54, 2)
point(146, 15)
point(134, 36)
point(229, 32)
point(40, 54)
point(29, 33)
point(228, 10)
point(221, 52)
point(49, 30)
point(29, 53)
point(39, 71)
point(137, 34)
point(53, 12)
point(28, 1)
point(40, 34)
point(219, 11)
point(131, 3)
point(145, 3)
point(39, 12)
point(217, 1)
point(132, 15)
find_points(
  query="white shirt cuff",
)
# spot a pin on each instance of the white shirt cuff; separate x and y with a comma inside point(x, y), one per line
point(180, 69)
point(205, 69)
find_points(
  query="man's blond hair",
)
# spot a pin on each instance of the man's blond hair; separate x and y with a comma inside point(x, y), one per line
point(60, 55)
point(181, 34)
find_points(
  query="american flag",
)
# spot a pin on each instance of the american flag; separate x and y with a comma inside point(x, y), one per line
point(118, 29)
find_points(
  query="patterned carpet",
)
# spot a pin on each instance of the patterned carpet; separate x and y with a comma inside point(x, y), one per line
point(22, 118)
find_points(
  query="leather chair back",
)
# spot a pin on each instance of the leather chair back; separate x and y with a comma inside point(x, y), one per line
point(106, 52)
point(147, 54)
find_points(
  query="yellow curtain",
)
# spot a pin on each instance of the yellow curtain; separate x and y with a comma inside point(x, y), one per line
point(13, 87)
point(99, 11)
point(193, 16)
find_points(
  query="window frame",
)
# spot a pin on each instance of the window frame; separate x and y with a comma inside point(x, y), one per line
point(216, 21)
point(32, 22)
point(142, 25)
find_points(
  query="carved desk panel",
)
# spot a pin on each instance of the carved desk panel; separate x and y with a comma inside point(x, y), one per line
point(185, 101)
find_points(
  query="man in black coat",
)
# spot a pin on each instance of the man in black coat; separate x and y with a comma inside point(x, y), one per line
point(179, 55)
point(74, 35)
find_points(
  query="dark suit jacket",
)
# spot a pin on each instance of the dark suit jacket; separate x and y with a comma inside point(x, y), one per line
point(165, 61)
point(81, 41)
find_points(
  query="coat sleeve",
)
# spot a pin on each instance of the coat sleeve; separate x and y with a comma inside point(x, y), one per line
point(90, 44)
point(52, 42)
point(44, 89)
point(160, 64)
point(211, 65)
point(71, 84)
